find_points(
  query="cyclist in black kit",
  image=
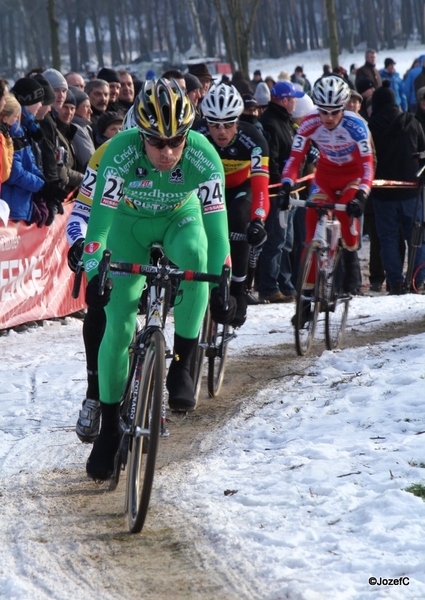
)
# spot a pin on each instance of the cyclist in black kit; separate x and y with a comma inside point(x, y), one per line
point(245, 155)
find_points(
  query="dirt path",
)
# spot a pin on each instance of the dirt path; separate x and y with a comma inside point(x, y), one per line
point(77, 530)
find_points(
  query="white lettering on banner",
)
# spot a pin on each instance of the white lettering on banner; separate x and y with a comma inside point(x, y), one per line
point(9, 243)
point(20, 277)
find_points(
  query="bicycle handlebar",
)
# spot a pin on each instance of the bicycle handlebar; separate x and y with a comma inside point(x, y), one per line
point(163, 273)
point(318, 205)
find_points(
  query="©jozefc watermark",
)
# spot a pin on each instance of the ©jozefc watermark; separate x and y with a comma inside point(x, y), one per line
point(388, 581)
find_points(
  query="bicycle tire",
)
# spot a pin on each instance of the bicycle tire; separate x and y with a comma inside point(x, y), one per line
point(197, 365)
point(415, 274)
point(336, 304)
point(217, 356)
point(307, 304)
point(143, 448)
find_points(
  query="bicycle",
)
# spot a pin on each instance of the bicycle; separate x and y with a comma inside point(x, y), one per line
point(324, 253)
point(213, 344)
point(417, 235)
point(142, 412)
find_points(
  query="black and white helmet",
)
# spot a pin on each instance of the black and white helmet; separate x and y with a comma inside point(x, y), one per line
point(222, 103)
point(331, 91)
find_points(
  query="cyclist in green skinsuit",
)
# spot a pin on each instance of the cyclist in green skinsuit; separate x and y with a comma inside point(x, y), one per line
point(162, 183)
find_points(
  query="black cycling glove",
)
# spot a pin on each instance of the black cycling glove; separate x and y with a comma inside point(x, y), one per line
point(256, 234)
point(93, 299)
point(355, 208)
point(218, 314)
point(75, 254)
point(283, 196)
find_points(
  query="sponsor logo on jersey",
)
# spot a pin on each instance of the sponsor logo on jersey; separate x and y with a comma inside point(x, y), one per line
point(110, 202)
point(215, 176)
point(147, 183)
point(233, 151)
point(90, 265)
point(91, 247)
point(256, 150)
point(186, 220)
point(141, 172)
point(176, 176)
point(260, 212)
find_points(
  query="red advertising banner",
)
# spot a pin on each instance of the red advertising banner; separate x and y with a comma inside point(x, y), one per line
point(35, 280)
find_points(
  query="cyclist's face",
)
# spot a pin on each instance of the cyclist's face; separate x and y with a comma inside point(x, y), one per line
point(329, 120)
point(222, 136)
point(164, 159)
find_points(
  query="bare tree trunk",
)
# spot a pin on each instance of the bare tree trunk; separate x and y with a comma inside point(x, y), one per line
point(333, 32)
point(115, 47)
point(369, 12)
point(97, 36)
point(196, 25)
point(54, 34)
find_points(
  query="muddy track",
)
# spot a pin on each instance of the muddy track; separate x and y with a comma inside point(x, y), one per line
point(79, 529)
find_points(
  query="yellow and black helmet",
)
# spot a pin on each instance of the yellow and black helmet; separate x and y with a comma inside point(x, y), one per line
point(162, 109)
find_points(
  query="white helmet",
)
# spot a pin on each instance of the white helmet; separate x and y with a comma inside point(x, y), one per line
point(129, 120)
point(222, 103)
point(331, 91)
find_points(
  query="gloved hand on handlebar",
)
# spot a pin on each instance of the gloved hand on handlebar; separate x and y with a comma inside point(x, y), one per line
point(256, 234)
point(355, 208)
point(283, 196)
point(218, 314)
point(75, 254)
point(93, 298)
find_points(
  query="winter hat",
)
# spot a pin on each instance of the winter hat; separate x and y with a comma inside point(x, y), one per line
point(262, 94)
point(192, 82)
point(257, 72)
point(107, 119)
point(70, 98)
point(249, 101)
point(285, 89)
point(150, 74)
point(420, 94)
point(383, 96)
point(303, 106)
point(200, 70)
point(49, 92)
point(109, 75)
point(356, 95)
point(79, 95)
point(388, 62)
point(55, 78)
point(363, 85)
point(28, 91)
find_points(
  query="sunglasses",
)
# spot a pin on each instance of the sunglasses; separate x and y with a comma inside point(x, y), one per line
point(333, 112)
point(215, 125)
point(160, 143)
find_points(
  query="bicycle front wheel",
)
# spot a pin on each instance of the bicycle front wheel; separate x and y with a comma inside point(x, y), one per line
point(308, 302)
point(197, 366)
point(337, 304)
point(144, 440)
point(218, 337)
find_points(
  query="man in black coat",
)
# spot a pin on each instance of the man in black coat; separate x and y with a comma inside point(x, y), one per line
point(274, 280)
point(396, 135)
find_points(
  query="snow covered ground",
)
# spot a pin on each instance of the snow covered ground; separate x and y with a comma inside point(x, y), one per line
point(315, 467)
point(312, 62)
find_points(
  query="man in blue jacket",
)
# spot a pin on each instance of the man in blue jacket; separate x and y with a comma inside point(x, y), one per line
point(396, 82)
point(410, 87)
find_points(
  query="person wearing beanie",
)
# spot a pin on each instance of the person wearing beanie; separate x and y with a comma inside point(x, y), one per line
point(200, 70)
point(108, 125)
point(256, 79)
point(59, 85)
point(397, 135)
point(113, 78)
point(262, 95)
point(389, 72)
point(150, 74)
point(193, 88)
point(67, 130)
point(83, 140)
